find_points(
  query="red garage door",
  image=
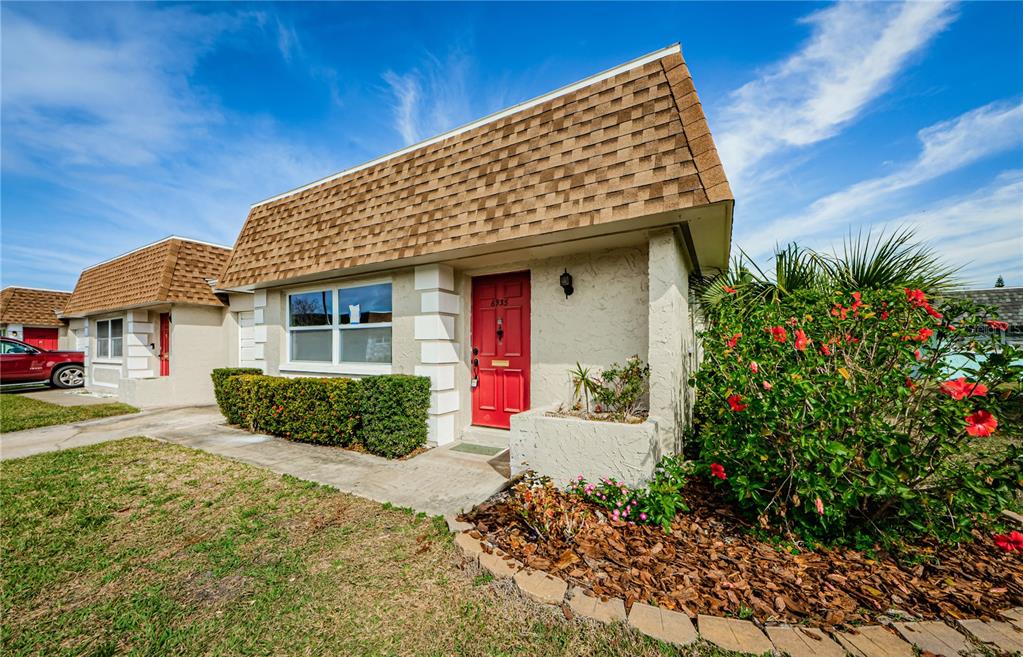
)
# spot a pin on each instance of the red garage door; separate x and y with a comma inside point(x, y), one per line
point(44, 338)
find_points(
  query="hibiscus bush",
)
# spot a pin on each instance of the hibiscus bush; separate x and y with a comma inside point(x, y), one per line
point(839, 416)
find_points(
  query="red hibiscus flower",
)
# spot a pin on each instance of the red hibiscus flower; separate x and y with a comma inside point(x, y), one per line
point(733, 340)
point(923, 335)
point(801, 340)
point(735, 402)
point(767, 386)
point(910, 384)
point(826, 350)
point(998, 326)
point(932, 312)
point(916, 353)
point(981, 424)
point(779, 333)
point(961, 388)
point(718, 471)
point(916, 297)
point(1011, 542)
point(839, 311)
point(730, 290)
point(884, 314)
point(754, 367)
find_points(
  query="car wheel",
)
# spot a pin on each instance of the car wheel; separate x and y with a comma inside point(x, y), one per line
point(71, 376)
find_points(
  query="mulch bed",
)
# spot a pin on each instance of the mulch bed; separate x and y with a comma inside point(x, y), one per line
point(711, 563)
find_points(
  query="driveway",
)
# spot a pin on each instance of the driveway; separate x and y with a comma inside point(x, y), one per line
point(437, 482)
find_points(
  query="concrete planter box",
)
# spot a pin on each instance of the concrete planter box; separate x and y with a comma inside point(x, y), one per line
point(565, 447)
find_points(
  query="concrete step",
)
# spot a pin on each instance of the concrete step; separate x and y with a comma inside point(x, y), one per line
point(486, 436)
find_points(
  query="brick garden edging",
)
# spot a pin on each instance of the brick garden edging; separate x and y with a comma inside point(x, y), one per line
point(894, 640)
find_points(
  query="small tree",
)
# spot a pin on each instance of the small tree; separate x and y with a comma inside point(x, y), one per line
point(1000, 282)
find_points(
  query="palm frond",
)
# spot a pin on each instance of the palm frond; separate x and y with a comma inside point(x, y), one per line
point(889, 261)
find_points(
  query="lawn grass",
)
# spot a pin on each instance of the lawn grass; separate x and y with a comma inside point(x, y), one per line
point(143, 548)
point(18, 412)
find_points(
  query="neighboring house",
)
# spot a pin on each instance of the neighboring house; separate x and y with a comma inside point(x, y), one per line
point(153, 327)
point(33, 316)
point(451, 258)
point(1009, 301)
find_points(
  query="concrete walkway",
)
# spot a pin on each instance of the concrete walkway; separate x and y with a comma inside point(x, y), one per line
point(438, 482)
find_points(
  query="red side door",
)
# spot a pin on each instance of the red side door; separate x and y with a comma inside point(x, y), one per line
point(164, 344)
point(44, 338)
point(500, 340)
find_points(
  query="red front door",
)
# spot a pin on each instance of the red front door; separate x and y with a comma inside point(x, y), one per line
point(500, 341)
point(44, 338)
point(164, 344)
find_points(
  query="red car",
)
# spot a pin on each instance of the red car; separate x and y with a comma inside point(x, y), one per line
point(23, 363)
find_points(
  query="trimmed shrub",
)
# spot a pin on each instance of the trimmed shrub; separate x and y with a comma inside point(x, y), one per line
point(229, 406)
point(837, 415)
point(394, 413)
point(320, 411)
point(385, 414)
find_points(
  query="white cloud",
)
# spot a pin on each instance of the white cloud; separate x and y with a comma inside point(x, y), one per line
point(982, 231)
point(127, 148)
point(431, 99)
point(853, 56)
point(946, 147)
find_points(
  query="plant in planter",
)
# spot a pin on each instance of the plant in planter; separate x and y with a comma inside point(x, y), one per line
point(623, 387)
point(584, 384)
point(835, 414)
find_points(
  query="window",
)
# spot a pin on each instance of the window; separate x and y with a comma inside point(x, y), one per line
point(109, 336)
point(16, 348)
point(344, 325)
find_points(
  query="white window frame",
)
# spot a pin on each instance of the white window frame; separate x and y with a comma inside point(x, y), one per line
point(335, 365)
point(108, 358)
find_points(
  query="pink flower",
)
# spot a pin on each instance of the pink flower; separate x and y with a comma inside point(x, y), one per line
point(998, 326)
point(642, 516)
point(718, 471)
point(733, 340)
point(767, 386)
point(754, 367)
point(820, 506)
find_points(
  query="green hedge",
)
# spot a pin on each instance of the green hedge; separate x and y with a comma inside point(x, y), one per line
point(385, 414)
point(394, 413)
point(229, 406)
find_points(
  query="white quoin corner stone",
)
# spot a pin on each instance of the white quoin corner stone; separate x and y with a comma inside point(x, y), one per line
point(435, 277)
point(438, 351)
point(435, 327)
point(442, 377)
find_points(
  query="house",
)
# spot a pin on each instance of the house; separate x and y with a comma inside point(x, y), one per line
point(494, 257)
point(1008, 301)
point(150, 323)
point(32, 315)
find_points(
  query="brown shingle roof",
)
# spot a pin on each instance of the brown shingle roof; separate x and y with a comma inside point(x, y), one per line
point(31, 307)
point(626, 145)
point(171, 270)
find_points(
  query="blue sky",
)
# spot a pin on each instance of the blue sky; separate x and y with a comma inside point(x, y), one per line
point(124, 123)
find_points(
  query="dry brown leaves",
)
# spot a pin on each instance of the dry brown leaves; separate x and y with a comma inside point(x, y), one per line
point(711, 564)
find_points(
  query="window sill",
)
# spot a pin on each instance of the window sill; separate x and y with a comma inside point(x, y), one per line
point(105, 361)
point(362, 369)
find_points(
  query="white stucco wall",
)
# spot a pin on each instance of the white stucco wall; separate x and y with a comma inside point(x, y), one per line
point(671, 340)
point(564, 448)
point(198, 344)
point(604, 321)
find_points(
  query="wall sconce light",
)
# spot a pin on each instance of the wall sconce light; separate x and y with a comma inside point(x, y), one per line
point(566, 284)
